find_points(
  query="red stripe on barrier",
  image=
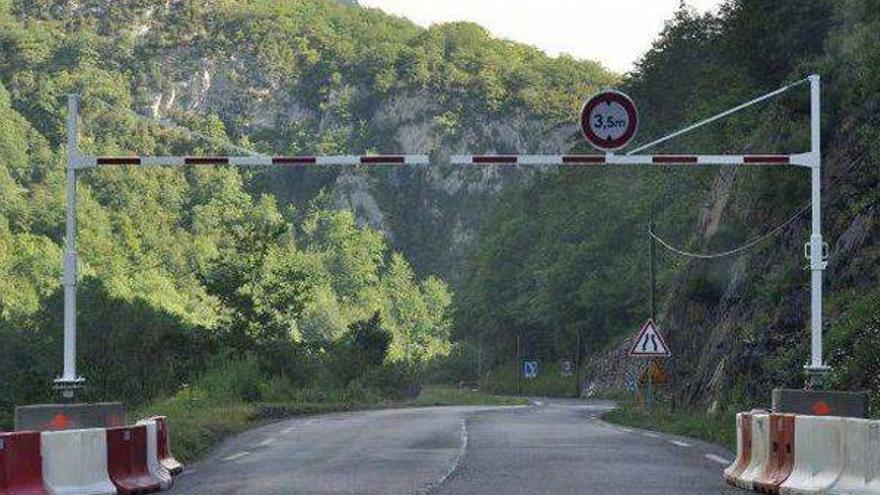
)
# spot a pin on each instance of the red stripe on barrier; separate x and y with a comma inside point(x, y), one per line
point(383, 159)
point(118, 160)
point(127, 460)
point(744, 456)
point(494, 159)
point(294, 160)
point(583, 159)
point(781, 460)
point(21, 466)
point(206, 160)
point(163, 446)
point(767, 159)
point(674, 159)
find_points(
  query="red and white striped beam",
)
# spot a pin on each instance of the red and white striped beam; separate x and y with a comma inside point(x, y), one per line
point(801, 159)
point(251, 161)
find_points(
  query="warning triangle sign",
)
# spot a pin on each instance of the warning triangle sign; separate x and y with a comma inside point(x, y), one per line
point(650, 343)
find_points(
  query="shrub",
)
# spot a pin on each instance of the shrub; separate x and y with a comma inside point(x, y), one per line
point(231, 379)
point(460, 365)
point(363, 347)
point(393, 380)
point(279, 389)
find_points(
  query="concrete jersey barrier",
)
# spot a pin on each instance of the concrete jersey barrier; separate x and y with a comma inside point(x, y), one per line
point(743, 448)
point(155, 467)
point(127, 460)
point(164, 446)
point(861, 458)
point(760, 451)
point(21, 468)
point(818, 456)
point(75, 462)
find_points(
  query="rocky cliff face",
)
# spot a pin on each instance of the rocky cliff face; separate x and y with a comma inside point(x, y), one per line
point(432, 213)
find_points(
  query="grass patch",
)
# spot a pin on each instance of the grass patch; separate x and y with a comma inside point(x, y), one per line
point(719, 428)
point(197, 422)
point(445, 395)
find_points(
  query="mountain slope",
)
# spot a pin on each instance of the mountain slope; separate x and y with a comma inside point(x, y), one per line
point(317, 77)
point(740, 325)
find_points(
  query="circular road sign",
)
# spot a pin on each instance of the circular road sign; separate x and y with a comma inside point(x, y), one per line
point(609, 120)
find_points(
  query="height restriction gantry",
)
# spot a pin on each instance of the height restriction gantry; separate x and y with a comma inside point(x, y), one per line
point(609, 122)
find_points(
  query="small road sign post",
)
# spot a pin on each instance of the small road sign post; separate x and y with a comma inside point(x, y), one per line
point(609, 120)
point(653, 374)
point(567, 369)
point(649, 343)
point(530, 369)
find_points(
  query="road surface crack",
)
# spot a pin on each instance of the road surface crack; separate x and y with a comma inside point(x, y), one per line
point(456, 461)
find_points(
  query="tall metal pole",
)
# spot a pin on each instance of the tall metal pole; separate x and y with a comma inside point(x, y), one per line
point(653, 269)
point(480, 363)
point(816, 369)
point(577, 364)
point(69, 381)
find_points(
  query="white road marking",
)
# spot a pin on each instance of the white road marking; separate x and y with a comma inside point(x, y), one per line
point(266, 442)
point(287, 430)
point(188, 471)
point(651, 435)
point(680, 444)
point(627, 430)
point(236, 456)
point(539, 403)
point(719, 460)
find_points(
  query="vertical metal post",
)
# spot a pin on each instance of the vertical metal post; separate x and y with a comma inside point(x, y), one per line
point(480, 363)
point(653, 269)
point(577, 366)
point(69, 381)
point(816, 369)
point(519, 368)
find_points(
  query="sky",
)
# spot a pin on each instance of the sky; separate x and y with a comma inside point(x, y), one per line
point(613, 32)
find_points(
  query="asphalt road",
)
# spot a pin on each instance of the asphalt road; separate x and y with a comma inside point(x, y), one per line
point(557, 447)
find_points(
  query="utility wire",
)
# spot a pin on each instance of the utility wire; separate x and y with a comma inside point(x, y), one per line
point(701, 123)
point(730, 252)
point(773, 232)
